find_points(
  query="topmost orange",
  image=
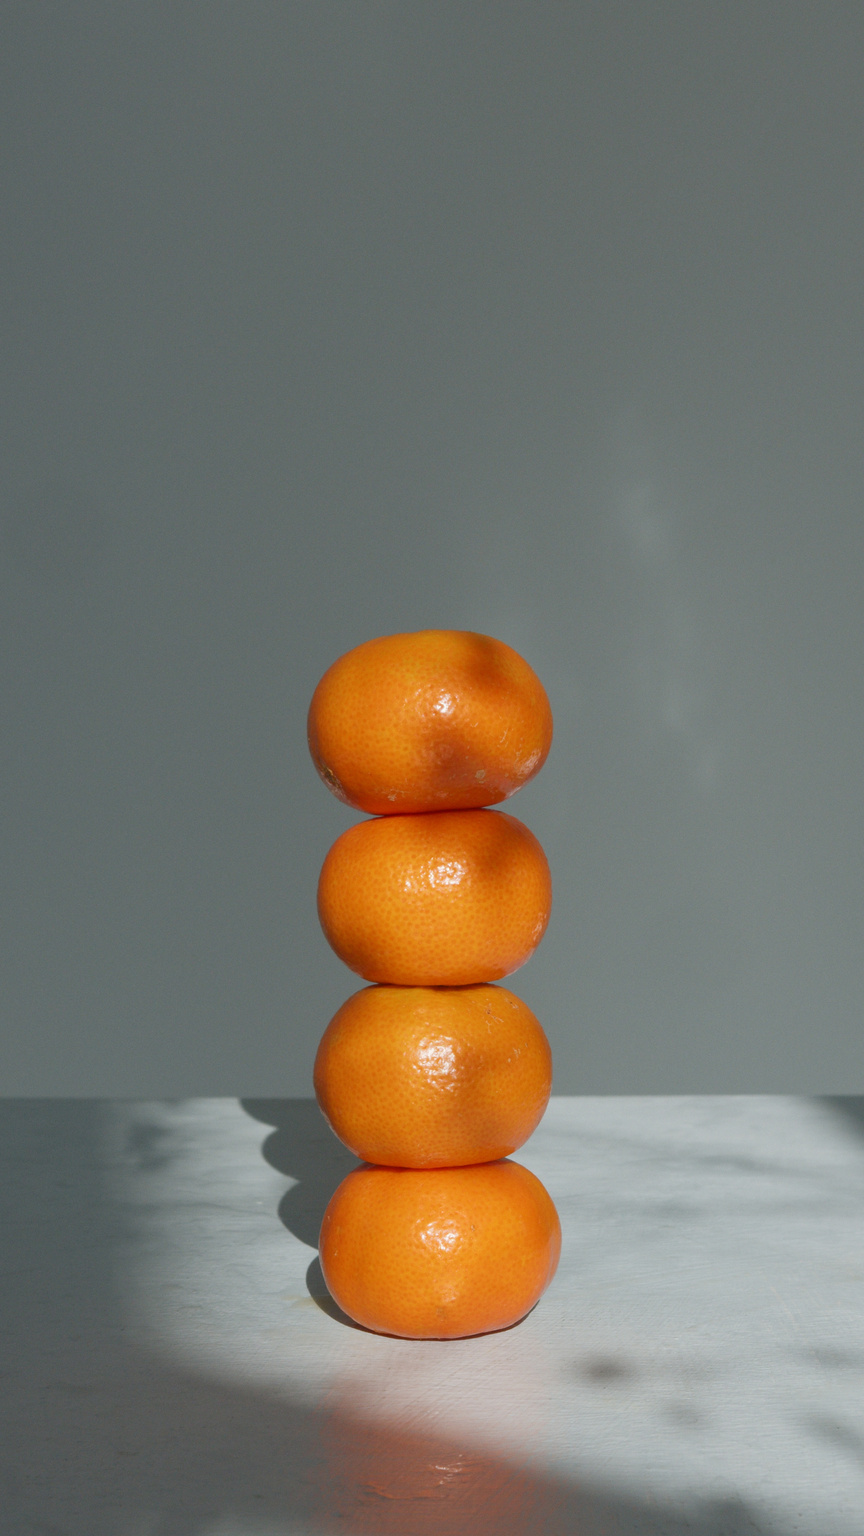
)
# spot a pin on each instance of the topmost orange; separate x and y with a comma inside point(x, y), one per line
point(438, 720)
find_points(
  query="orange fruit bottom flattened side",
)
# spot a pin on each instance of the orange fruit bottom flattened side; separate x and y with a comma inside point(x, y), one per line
point(439, 1253)
point(433, 1077)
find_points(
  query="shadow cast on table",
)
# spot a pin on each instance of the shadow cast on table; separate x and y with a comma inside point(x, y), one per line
point(302, 1146)
point(102, 1435)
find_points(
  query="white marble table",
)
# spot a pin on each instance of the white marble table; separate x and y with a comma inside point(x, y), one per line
point(173, 1367)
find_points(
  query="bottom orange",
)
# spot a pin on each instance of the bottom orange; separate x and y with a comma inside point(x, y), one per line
point(439, 1253)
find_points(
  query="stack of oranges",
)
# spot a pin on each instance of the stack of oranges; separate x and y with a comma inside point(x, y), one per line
point(433, 1075)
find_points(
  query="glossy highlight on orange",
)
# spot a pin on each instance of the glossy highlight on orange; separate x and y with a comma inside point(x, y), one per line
point(439, 1253)
point(433, 1077)
point(436, 900)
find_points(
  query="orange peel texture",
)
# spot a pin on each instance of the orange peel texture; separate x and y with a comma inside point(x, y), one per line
point(439, 1253)
point(433, 1077)
point(441, 719)
point(442, 899)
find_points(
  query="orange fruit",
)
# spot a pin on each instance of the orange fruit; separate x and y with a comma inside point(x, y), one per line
point(433, 1077)
point(438, 720)
point(439, 1253)
point(442, 899)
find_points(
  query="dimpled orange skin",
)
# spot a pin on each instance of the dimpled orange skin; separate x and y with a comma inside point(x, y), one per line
point(443, 719)
point(439, 1253)
point(436, 900)
point(433, 1077)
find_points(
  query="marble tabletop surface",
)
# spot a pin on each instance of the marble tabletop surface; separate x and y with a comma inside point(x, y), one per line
point(172, 1364)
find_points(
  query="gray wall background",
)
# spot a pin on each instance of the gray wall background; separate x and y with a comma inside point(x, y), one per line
point(326, 320)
